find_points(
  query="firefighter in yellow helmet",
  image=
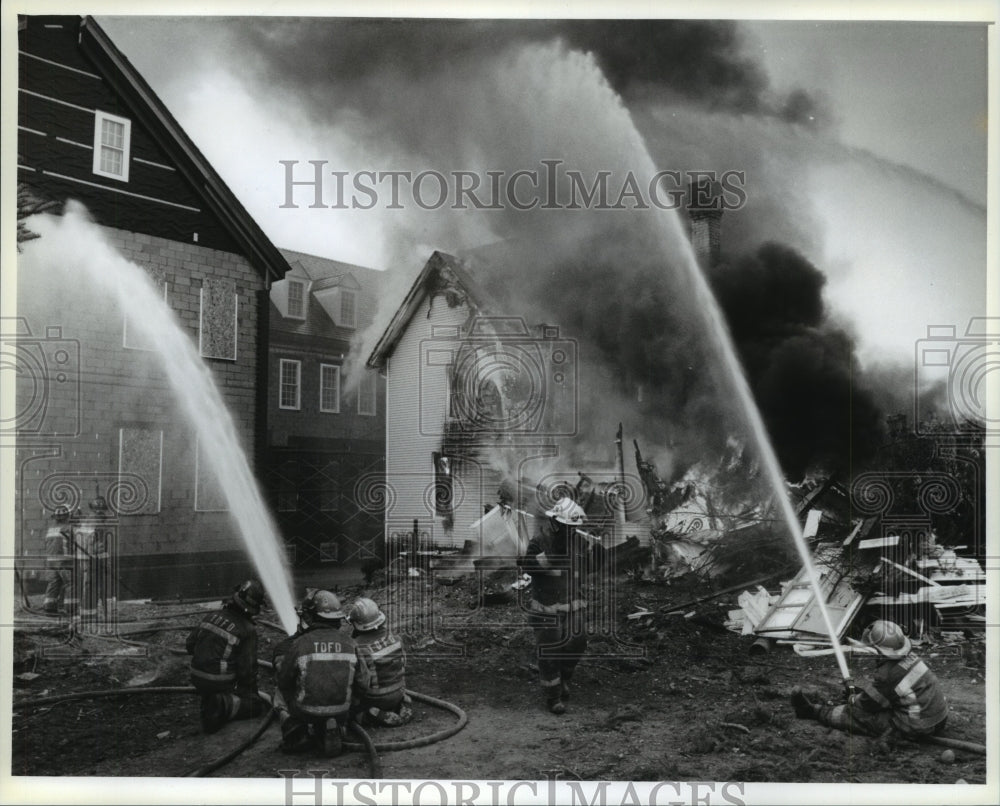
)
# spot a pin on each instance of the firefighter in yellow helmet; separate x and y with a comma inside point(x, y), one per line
point(556, 561)
point(382, 697)
point(904, 697)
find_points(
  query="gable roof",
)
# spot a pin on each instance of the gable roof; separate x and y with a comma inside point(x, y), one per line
point(150, 111)
point(441, 271)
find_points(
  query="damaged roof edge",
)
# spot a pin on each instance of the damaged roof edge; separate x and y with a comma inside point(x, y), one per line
point(415, 296)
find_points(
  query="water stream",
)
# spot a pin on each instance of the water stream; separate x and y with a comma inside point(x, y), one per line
point(726, 352)
point(82, 251)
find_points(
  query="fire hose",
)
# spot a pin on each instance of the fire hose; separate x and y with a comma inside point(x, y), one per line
point(366, 743)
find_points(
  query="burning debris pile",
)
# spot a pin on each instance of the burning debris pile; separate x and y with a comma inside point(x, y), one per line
point(708, 523)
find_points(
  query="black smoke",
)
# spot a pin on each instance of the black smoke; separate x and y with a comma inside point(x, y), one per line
point(816, 403)
point(702, 61)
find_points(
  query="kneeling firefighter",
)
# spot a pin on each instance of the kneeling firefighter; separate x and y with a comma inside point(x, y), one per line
point(316, 675)
point(382, 698)
point(905, 697)
point(223, 649)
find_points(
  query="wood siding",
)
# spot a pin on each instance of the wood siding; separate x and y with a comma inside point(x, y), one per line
point(59, 91)
point(417, 402)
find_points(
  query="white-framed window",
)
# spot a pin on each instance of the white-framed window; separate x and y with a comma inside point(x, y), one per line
point(112, 145)
point(366, 393)
point(289, 384)
point(296, 299)
point(348, 308)
point(329, 388)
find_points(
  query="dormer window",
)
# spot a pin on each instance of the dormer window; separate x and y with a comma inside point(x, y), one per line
point(296, 299)
point(112, 144)
point(348, 308)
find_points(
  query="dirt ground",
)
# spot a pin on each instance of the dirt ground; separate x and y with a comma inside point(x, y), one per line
point(660, 698)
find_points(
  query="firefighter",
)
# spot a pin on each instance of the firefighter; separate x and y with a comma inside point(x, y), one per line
point(905, 696)
point(58, 562)
point(78, 563)
point(92, 554)
point(556, 561)
point(382, 699)
point(223, 649)
point(316, 673)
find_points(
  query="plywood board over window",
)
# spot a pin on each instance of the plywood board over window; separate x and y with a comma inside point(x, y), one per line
point(218, 321)
point(140, 471)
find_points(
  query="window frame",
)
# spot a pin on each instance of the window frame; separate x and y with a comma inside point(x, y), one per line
point(352, 294)
point(298, 384)
point(99, 145)
point(374, 393)
point(323, 388)
point(301, 285)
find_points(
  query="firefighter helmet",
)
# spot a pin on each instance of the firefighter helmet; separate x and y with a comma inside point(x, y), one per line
point(365, 615)
point(567, 511)
point(249, 597)
point(887, 638)
point(99, 504)
point(324, 605)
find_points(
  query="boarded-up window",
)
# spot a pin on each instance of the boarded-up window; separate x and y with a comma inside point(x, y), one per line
point(366, 393)
point(140, 471)
point(217, 325)
point(289, 386)
point(329, 388)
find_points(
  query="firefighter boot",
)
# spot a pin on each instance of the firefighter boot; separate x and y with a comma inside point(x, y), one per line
point(804, 707)
point(214, 711)
point(294, 736)
point(333, 740)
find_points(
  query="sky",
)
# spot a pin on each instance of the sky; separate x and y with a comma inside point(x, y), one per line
point(878, 175)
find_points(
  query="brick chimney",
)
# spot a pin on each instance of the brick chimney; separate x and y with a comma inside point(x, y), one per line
point(705, 216)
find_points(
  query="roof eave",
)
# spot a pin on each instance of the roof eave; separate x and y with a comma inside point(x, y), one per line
point(411, 302)
point(118, 71)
